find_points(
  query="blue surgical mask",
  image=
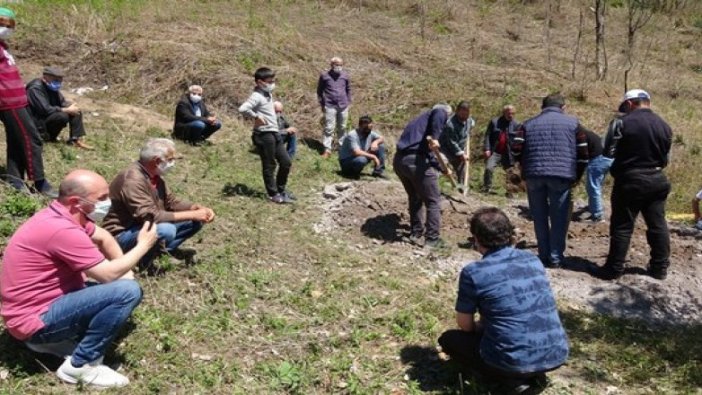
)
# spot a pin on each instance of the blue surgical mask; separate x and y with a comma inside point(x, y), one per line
point(54, 85)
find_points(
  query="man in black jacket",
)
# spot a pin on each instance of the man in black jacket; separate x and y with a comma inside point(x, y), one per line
point(640, 146)
point(194, 123)
point(51, 111)
point(498, 138)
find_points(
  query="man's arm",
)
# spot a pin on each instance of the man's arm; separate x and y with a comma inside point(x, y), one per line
point(320, 90)
point(449, 141)
point(466, 322)
point(114, 269)
point(517, 145)
point(106, 243)
point(185, 114)
point(348, 88)
point(249, 108)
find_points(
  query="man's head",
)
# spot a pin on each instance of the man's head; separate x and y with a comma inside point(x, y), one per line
point(633, 99)
point(491, 229)
point(508, 112)
point(53, 78)
point(553, 100)
point(463, 111)
point(365, 124)
point(85, 194)
point(278, 107)
point(195, 93)
point(7, 23)
point(336, 64)
point(158, 156)
point(265, 79)
point(443, 106)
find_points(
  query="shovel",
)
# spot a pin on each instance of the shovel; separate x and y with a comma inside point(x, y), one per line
point(442, 163)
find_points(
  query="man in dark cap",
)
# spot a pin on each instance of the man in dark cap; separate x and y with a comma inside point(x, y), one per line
point(51, 111)
point(24, 146)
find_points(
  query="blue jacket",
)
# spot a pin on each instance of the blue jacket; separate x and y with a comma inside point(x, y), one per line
point(549, 145)
point(413, 139)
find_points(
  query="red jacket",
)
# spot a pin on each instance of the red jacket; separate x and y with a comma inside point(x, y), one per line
point(12, 92)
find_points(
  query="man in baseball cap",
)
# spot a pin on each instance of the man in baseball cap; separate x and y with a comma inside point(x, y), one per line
point(640, 186)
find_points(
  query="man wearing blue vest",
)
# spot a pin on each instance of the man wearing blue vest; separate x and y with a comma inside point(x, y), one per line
point(552, 150)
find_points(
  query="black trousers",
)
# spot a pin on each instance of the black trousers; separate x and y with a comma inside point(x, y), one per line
point(55, 122)
point(637, 192)
point(464, 348)
point(273, 154)
point(24, 146)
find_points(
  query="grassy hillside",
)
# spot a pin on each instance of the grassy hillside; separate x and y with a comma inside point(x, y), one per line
point(275, 307)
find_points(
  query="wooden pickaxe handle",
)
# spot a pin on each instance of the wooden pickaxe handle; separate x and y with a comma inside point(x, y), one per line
point(440, 159)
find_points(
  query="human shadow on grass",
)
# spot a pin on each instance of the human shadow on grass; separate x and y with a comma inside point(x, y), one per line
point(431, 373)
point(239, 189)
point(384, 227)
point(16, 357)
point(312, 144)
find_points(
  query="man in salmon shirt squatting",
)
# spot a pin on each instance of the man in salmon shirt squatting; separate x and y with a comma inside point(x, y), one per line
point(46, 302)
point(24, 145)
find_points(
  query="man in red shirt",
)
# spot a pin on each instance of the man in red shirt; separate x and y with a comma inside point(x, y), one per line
point(24, 145)
point(45, 300)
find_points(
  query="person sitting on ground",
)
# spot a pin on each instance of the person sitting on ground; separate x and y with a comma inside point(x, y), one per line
point(194, 123)
point(696, 210)
point(139, 194)
point(360, 147)
point(45, 301)
point(453, 139)
point(287, 132)
point(498, 139)
point(52, 112)
point(519, 336)
point(259, 108)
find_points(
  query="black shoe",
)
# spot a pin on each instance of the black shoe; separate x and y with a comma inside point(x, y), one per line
point(658, 274)
point(514, 387)
point(289, 195)
point(186, 255)
point(605, 273)
point(381, 175)
point(45, 188)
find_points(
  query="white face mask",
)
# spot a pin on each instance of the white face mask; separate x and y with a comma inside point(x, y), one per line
point(195, 98)
point(268, 87)
point(165, 167)
point(337, 69)
point(6, 32)
point(102, 207)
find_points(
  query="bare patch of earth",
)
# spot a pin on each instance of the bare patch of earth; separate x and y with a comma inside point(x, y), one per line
point(375, 214)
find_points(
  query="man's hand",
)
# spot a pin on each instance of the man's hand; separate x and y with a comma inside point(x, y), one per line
point(211, 119)
point(291, 130)
point(448, 172)
point(434, 144)
point(147, 234)
point(487, 154)
point(259, 122)
point(375, 160)
point(204, 214)
point(73, 109)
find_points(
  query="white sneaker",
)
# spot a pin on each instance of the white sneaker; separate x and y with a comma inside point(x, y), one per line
point(60, 349)
point(93, 373)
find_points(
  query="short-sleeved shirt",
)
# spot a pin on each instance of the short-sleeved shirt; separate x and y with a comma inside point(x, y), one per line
point(43, 261)
point(353, 141)
point(522, 332)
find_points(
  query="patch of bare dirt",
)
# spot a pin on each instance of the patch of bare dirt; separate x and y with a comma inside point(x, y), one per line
point(375, 213)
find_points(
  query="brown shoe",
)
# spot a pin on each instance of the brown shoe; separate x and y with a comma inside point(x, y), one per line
point(326, 154)
point(81, 144)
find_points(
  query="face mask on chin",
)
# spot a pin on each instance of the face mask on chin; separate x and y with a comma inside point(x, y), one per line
point(6, 32)
point(165, 167)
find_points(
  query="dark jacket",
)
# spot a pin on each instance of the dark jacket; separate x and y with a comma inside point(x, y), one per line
point(43, 101)
point(644, 145)
point(552, 144)
point(492, 134)
point(594, 143)
point(413, 139)
point(185, 113)
point(283, 124)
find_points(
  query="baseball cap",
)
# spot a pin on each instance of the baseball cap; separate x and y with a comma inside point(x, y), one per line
point(639, 94)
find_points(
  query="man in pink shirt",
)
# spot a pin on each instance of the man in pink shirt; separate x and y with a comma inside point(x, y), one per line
point(45, 301)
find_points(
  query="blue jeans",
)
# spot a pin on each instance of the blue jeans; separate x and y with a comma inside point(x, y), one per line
point(170, 236)
point(354, 165)
point(597, 169)
point(549, 204)
point(290, 141)
point(199, 130)
point(92, 316)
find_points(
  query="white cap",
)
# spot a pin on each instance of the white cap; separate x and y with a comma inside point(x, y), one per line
point(633, 94)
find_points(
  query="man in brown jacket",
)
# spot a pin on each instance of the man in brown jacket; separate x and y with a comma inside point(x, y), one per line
point(139, 193)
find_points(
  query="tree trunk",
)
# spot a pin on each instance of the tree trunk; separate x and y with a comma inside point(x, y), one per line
point(600, 50)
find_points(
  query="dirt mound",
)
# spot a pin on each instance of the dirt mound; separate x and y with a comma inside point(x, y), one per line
point(376, 213)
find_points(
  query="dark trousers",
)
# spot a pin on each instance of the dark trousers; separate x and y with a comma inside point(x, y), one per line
point(464, 348)
point(421, 182)
point(195, 131)
point(55, 122)
point(644, 192)
point(273, 154)
point(24, 147)
point(354, 165)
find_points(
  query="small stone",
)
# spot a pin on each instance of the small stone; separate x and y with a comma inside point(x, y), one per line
point(95, 114)
point(343, 186)
point(342, 384)
point(201, 357)
point(4, 373)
